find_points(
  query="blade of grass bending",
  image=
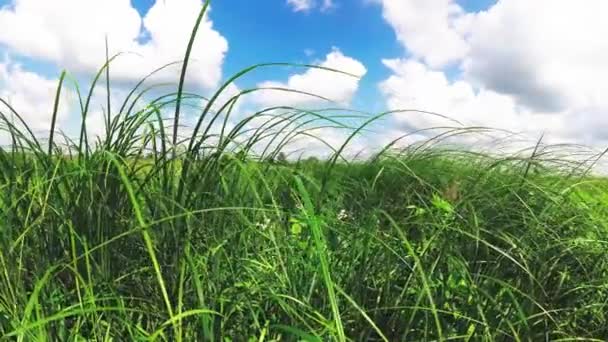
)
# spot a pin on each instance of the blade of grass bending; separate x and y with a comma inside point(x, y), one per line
point(529, 163)
point(146, 236)
point(309, 213)
point(297, 332)
point(33, 141)
point(231, 102)
point(421, 274)
point(33, 300)
point(142, 81)
point(296, 131)
point(367, 318)
point(337, 154)
point(63, 314)
point(207, 109)
point(85, 108)
point(403, 136)
point(193, 147)
point(55, 109)
point(109, 112)
point(247, 71)
point(182, 77)
point(180, 317)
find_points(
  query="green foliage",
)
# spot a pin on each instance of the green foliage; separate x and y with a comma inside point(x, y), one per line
point(222, 235)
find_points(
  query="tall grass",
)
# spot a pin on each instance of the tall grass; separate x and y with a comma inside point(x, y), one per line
point(146, 235)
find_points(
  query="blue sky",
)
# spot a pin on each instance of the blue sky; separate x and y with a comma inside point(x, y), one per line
point(269, 31)
point(532, 67)
point(276, 33)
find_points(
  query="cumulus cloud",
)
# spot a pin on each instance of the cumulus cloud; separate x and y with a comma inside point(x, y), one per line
point(31, 96)
point(531, 66)
point(335, 86)
point(549, 54)
point(429, 29)
point(231, 91)
point(338, 87)
point(414, 85)
point(39, 29)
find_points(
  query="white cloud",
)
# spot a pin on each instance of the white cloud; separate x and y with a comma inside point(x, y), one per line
point(335, 86)
point(549, 54)
point(414, 86)
point(78, 43)
point(307, 5)
point(327, 5)
point(338, 87)
point(531, 66)
point(232, 90)
point(96, 121)
point(32, 96)
point(300, 5)
point(322, 142)
point(429, 29)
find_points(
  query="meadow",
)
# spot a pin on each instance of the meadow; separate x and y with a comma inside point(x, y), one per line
point(220, 235)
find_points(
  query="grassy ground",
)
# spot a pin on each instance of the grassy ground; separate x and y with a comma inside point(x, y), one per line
point(130, 238)
point(421, 247)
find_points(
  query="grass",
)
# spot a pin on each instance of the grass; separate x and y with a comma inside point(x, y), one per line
point(145, 235)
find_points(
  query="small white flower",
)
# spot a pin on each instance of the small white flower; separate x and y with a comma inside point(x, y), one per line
point(263, 225)
point(343, 215)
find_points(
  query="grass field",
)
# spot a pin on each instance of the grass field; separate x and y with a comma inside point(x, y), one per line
point(142, 236)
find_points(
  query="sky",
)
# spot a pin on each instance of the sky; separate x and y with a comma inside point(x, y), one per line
point(532, 67)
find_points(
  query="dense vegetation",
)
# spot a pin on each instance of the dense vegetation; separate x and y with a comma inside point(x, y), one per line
point(141, 235)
